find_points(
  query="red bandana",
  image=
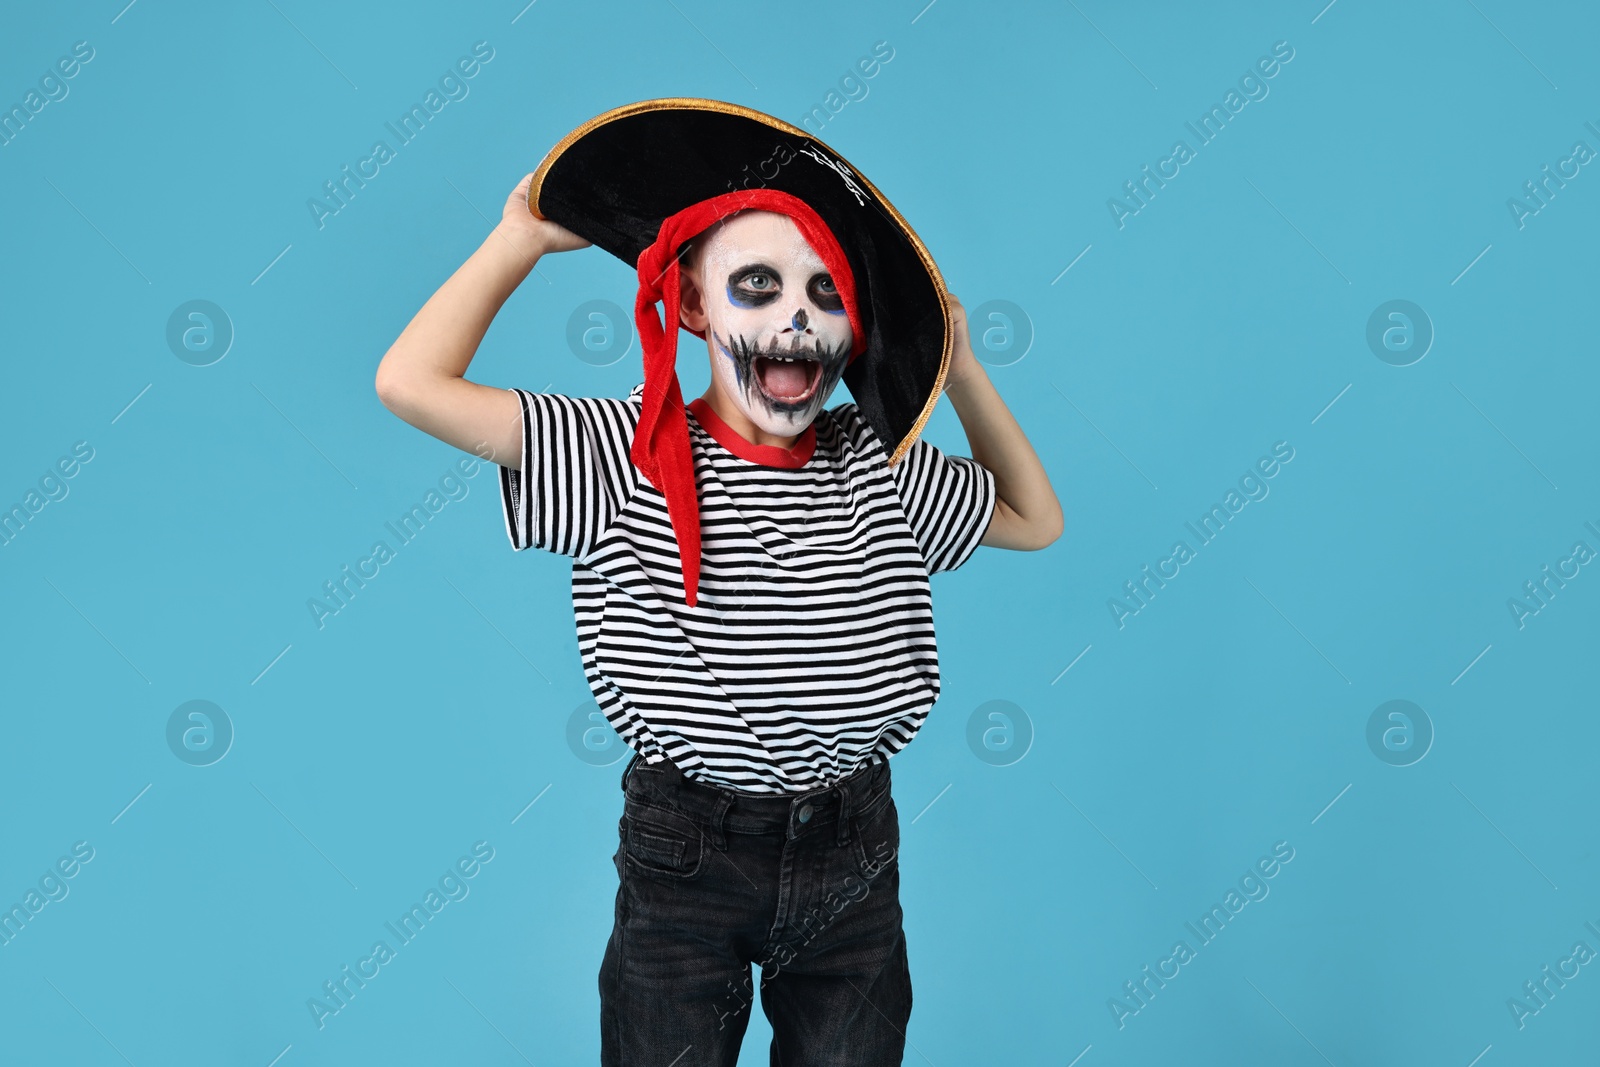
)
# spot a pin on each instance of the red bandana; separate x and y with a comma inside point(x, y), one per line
point(661, 442)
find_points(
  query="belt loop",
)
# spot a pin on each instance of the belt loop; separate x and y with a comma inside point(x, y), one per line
point(719, 812)
point(844, 814)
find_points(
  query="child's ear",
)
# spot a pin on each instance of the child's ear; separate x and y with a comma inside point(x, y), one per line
point(691, 301)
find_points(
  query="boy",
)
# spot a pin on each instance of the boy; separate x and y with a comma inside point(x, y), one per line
point(750, 572)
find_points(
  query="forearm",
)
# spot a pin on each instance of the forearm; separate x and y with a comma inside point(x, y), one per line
point(442, 338)
point(999, 445)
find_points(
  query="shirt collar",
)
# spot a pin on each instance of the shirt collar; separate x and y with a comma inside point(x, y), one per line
point(766, 455)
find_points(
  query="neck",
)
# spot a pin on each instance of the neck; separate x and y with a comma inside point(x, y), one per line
point(740, 423)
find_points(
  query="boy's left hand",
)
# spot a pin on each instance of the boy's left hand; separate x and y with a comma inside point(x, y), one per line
point(963, 363)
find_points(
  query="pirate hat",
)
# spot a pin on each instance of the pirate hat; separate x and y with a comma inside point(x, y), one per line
point(640, 180)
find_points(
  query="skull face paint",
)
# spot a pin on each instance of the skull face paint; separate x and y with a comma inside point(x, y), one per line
point(776, 324)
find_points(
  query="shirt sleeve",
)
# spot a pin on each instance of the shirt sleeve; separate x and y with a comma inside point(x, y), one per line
point(576, 472)
point(949, 501)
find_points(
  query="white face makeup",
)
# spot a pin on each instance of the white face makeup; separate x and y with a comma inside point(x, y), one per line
point(777, 327)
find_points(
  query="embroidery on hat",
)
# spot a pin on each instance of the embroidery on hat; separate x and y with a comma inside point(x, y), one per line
point(840, 169)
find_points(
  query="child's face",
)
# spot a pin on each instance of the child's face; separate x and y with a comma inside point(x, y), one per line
point(776, 327)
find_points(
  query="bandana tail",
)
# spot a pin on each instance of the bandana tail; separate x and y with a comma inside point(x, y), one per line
point(661, 443)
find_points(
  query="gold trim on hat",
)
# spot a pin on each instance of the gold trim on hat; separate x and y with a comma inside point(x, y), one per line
point(691, 103)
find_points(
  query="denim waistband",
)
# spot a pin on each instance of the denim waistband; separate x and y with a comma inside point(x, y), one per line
point(721, 809)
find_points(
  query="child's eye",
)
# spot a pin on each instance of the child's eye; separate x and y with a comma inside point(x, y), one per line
point(753, 286)
point(824, 294)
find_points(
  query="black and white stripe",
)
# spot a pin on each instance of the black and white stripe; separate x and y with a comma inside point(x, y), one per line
point(811, 650)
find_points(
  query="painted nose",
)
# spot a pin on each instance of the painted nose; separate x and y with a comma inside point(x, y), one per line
point(800, 319)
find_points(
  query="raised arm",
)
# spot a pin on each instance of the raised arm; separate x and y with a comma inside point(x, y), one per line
point(1027, 514)
point(421, 377)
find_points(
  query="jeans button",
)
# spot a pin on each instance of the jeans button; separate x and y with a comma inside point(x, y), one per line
point(804, 814)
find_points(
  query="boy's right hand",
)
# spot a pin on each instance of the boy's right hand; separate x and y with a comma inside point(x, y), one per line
point(541, 234)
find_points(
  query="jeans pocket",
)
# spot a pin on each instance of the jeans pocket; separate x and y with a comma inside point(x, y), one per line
point(876, 836)
point(660, 842)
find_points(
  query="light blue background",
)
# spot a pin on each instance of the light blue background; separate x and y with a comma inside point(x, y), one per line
point(1223, 718)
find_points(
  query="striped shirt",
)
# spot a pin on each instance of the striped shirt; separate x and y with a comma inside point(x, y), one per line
point(810, 652)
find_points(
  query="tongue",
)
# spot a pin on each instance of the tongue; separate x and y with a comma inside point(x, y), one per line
point(785, 379)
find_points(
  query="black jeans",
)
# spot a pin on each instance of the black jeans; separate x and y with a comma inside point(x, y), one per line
point(804, 886)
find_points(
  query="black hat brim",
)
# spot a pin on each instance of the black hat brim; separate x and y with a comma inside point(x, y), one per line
point(614, 179)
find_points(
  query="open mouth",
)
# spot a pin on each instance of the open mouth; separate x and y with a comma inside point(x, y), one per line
point(788, 379)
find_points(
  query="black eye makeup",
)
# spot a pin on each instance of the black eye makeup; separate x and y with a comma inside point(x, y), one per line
point(754, 286)
point(824, 293)
point(758, 285)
